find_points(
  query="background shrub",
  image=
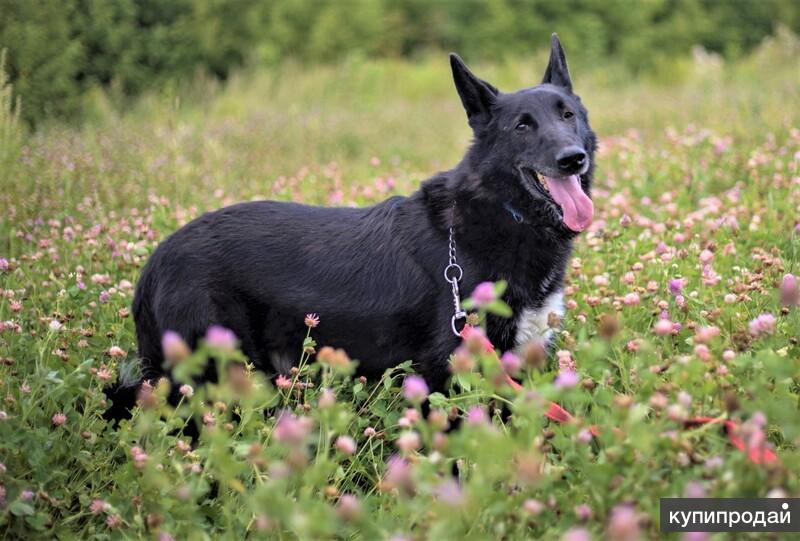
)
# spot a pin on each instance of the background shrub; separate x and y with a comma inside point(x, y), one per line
point(59, 50)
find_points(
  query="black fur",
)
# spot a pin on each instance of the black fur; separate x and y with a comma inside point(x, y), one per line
point(374, 275)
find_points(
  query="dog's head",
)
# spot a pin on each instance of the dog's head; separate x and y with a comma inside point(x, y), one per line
point(534, 145)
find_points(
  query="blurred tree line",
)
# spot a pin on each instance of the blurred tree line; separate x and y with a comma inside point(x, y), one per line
point(60, 49)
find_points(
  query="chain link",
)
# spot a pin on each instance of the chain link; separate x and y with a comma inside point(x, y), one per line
point(453, 274)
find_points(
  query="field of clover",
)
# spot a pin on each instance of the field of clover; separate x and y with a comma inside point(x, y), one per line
point(682, 303)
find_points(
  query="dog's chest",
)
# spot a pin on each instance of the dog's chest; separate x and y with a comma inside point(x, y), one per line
point(534, 324)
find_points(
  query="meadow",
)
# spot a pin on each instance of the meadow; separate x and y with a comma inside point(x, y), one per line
point(682, 303)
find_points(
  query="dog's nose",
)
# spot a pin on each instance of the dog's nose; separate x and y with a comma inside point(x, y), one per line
point(571, 159)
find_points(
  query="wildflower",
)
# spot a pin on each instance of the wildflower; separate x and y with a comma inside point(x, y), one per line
point(26, 495)
point(292, 429)
point(658, 401)
point(408, 441)
point(676, 413)
point(415, 390)
point(327, 399)
point(103, 373)
point(3, 264)
point(336, 358)
point(312, 320)
point(55, 325)
point(449, 492)
point(476, 416)
point(439, 441)
point(759, 419)
point(476, 341)
point(706, 256)
point(696, 536)
point(623, 525)
point(346, 445)
point(566, 379)
point(577, 534)
point(483, 294)
point(411, 415)
point(789, 291)
point(762, 325)
point(565, 360)
point(728, 355)
point(145, 396)
point(631, 299)
point(702, 352)
point(186, 390)
point(533, 507)
point(99, 506)
point(116, 351)
point(438, 419)
point(369, 432)
point(777, 492)
point(625, 221)
point(137, 454)
point(3, 415)
point(694, 489)
point(59, 419)
point(510, 362)
point(583, 512)
point(663, 327)
point(710, 276)
point(183, 447)
point(397, 475)
point(704, 335)
point(114, 521)
point(729, 298)
point(348, 507)
point(676, 285)
point(462, 362)
point(264, 523)
point(584, 436)
point(208, 419)
point(221, 338)
point(174, 348)
point(282, 382)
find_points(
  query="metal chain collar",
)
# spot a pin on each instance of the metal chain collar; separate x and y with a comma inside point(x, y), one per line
point(453, 274)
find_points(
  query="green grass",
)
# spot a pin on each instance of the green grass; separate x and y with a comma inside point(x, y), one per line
point(706, 166)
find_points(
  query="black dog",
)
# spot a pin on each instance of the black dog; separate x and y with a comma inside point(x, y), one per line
point(375, 275)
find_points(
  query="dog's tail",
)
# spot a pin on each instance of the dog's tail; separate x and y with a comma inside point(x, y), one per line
point(124, 393)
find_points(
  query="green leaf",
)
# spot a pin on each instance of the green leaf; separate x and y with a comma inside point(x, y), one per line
point(21, 509)
point(499, 308)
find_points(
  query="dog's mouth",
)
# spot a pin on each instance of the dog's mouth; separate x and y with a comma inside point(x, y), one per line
point(566, 193)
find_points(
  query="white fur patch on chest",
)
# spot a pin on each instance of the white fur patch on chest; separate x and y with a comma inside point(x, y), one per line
point(532, 322)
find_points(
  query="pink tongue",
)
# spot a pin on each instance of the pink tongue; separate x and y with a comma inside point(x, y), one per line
point(576, 205)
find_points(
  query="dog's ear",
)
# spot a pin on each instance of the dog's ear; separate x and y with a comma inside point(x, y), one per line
point(557, 72)
point(476, 94)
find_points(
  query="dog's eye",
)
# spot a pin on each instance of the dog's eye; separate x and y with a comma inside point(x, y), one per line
point(568, 115)
point(523, 125)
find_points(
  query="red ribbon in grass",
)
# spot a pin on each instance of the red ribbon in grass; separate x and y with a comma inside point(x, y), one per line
point(759, 455)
